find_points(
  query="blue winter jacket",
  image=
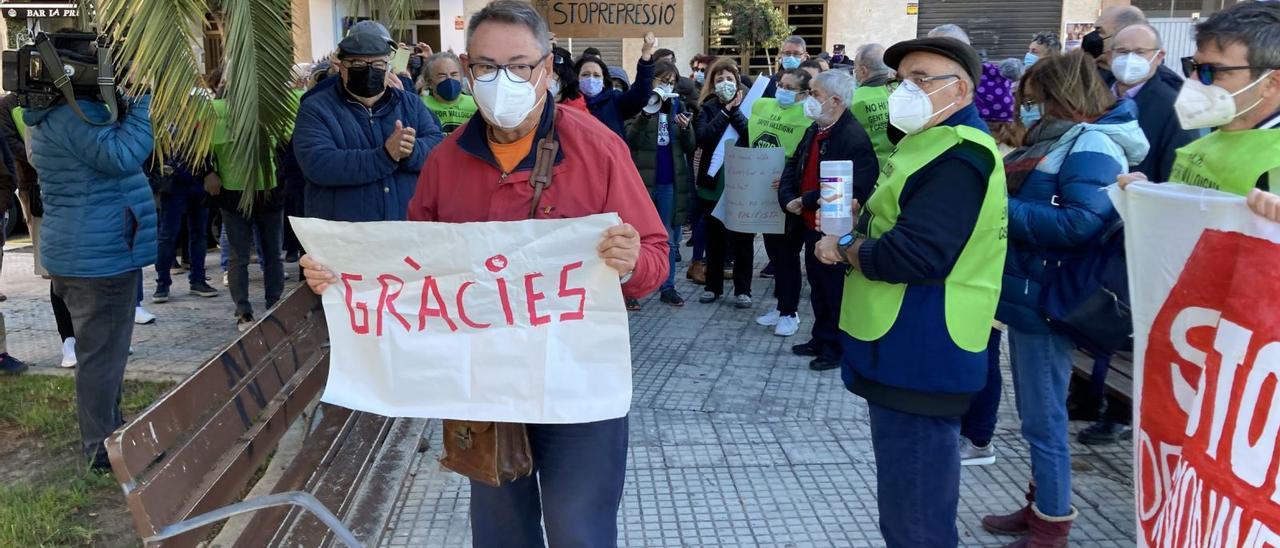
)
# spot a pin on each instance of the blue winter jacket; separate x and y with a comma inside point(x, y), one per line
point(340, 146)
point(1061, 210)
point(613, 108)
point(99, 214)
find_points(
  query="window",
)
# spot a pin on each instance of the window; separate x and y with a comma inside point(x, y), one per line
point(807, 16)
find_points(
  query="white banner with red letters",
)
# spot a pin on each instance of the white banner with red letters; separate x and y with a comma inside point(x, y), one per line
point(503, 321)
point(1205, 278)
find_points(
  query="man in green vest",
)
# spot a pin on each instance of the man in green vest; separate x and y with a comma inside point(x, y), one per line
point(871, 101)
point(442, 94)
point(779, 122)
point(1233, 85)
point(925, 264)
point(265, 217)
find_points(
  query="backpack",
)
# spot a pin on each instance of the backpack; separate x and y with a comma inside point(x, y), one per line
point(1086, 297)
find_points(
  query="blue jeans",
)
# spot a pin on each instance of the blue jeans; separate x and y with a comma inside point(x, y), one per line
point(917, 476)
point(698, 232)
point(1041, 371)
point(579, 470)
point(664, 198)
point(979, 424)
point(173, 208)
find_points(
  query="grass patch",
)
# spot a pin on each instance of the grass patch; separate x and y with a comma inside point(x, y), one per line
point(56, 501)
point(45, 406)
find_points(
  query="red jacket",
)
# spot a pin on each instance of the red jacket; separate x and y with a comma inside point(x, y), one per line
point(462, 183)
point(580, 103)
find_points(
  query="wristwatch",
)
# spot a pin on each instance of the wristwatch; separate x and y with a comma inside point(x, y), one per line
point(626, 277)
point(844, 243)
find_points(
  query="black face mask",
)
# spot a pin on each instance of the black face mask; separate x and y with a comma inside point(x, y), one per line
point(366, 82)
point(1093, 43)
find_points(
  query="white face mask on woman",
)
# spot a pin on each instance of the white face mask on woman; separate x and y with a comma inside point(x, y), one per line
point(505, 102)
point(910, 108)
point(727, 91)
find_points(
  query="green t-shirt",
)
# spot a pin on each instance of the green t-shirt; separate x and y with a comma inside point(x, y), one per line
point(451, 115)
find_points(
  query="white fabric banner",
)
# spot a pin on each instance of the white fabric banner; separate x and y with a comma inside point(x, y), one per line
point(1204, 273)
point(503, 321)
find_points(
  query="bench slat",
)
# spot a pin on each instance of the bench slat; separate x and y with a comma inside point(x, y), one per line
point(188, 405)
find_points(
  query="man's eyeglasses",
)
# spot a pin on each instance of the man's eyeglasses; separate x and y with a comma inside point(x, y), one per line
point(1205, 72)
point(519, 72)
point(919, 81)
point(361, 65)
point(1140, 51)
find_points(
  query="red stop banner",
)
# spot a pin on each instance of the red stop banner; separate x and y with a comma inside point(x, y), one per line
point(1209, 410)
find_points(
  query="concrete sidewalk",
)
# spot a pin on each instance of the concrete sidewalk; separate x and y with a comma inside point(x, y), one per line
point(735, 442)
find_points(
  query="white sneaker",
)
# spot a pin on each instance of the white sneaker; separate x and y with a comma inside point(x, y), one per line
point(770, 319)
point(787, 325)
point(972, 455)
point(142, 317)
point(69, 353)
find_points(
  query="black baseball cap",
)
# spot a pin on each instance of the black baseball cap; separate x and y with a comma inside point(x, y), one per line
point(950, 48)
point(363, 44)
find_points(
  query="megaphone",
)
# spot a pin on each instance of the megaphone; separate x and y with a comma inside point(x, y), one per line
point(656, 98)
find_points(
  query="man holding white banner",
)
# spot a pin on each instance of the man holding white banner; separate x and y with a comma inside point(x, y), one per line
point(483, 172)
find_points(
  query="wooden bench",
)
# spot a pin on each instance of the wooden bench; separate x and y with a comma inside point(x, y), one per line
point(1119, 377)
point(186, 461)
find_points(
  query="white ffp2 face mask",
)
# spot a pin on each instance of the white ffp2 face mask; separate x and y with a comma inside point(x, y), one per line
point(813, 108)
point(910, 108)
point(1131, 68)
point(1200, 106)
point(505, 102)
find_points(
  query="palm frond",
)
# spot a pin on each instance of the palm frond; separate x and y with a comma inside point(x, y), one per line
point(156, 39)
point(260, 108)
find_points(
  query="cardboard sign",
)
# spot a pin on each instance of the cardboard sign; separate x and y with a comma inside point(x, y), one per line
point(1206, 307)
point(750, 203)
point(617, 19)
point(503, 321)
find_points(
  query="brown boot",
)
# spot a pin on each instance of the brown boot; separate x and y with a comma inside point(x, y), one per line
point(1017, 523)
point(697, 272)
point(1046, 532)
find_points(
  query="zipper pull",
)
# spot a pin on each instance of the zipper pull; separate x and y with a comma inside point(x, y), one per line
point(1027, 289)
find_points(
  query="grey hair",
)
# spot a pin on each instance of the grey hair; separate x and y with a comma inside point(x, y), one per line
point(1128, 16)
point(1048, 40)
point(1256, 25)
point(513, 12)
point(838, 83)
point(1154, 31)
point(1011, 69)
point(871, 56)
point(426, 65)
point(797, 40)
point(951, 31)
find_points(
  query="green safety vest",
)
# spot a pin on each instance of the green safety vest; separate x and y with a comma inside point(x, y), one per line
point(222, 152)
point(871, 108)
point(772, 126)
point(18, 122)
point(972, 289)
point(451, 116)
point(1230, 161)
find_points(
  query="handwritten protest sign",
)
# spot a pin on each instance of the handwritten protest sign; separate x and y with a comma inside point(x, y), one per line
point(574, 19)
point(1206, 310)
point(513, 322)
point(750, 203)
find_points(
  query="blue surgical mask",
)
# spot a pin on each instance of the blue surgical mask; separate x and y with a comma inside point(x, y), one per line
point(699, 77)
point(790, 63)
point(449, 89)
point(786, 98)
point(1030, 115)
point(1029, 59)
point(591, 86)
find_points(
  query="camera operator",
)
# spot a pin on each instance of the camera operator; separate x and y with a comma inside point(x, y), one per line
point(98, 232)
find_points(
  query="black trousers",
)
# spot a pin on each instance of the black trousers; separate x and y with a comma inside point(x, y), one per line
point(784, 252)
point(826, 290)
point(741, 245)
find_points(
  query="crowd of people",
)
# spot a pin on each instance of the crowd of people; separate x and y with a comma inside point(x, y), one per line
point(971, 177)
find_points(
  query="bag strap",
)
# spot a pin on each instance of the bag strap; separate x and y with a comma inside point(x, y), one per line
point(543, 165)
point(106, 79)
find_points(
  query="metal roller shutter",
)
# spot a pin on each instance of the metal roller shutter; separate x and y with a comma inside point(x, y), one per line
point(997, 29)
